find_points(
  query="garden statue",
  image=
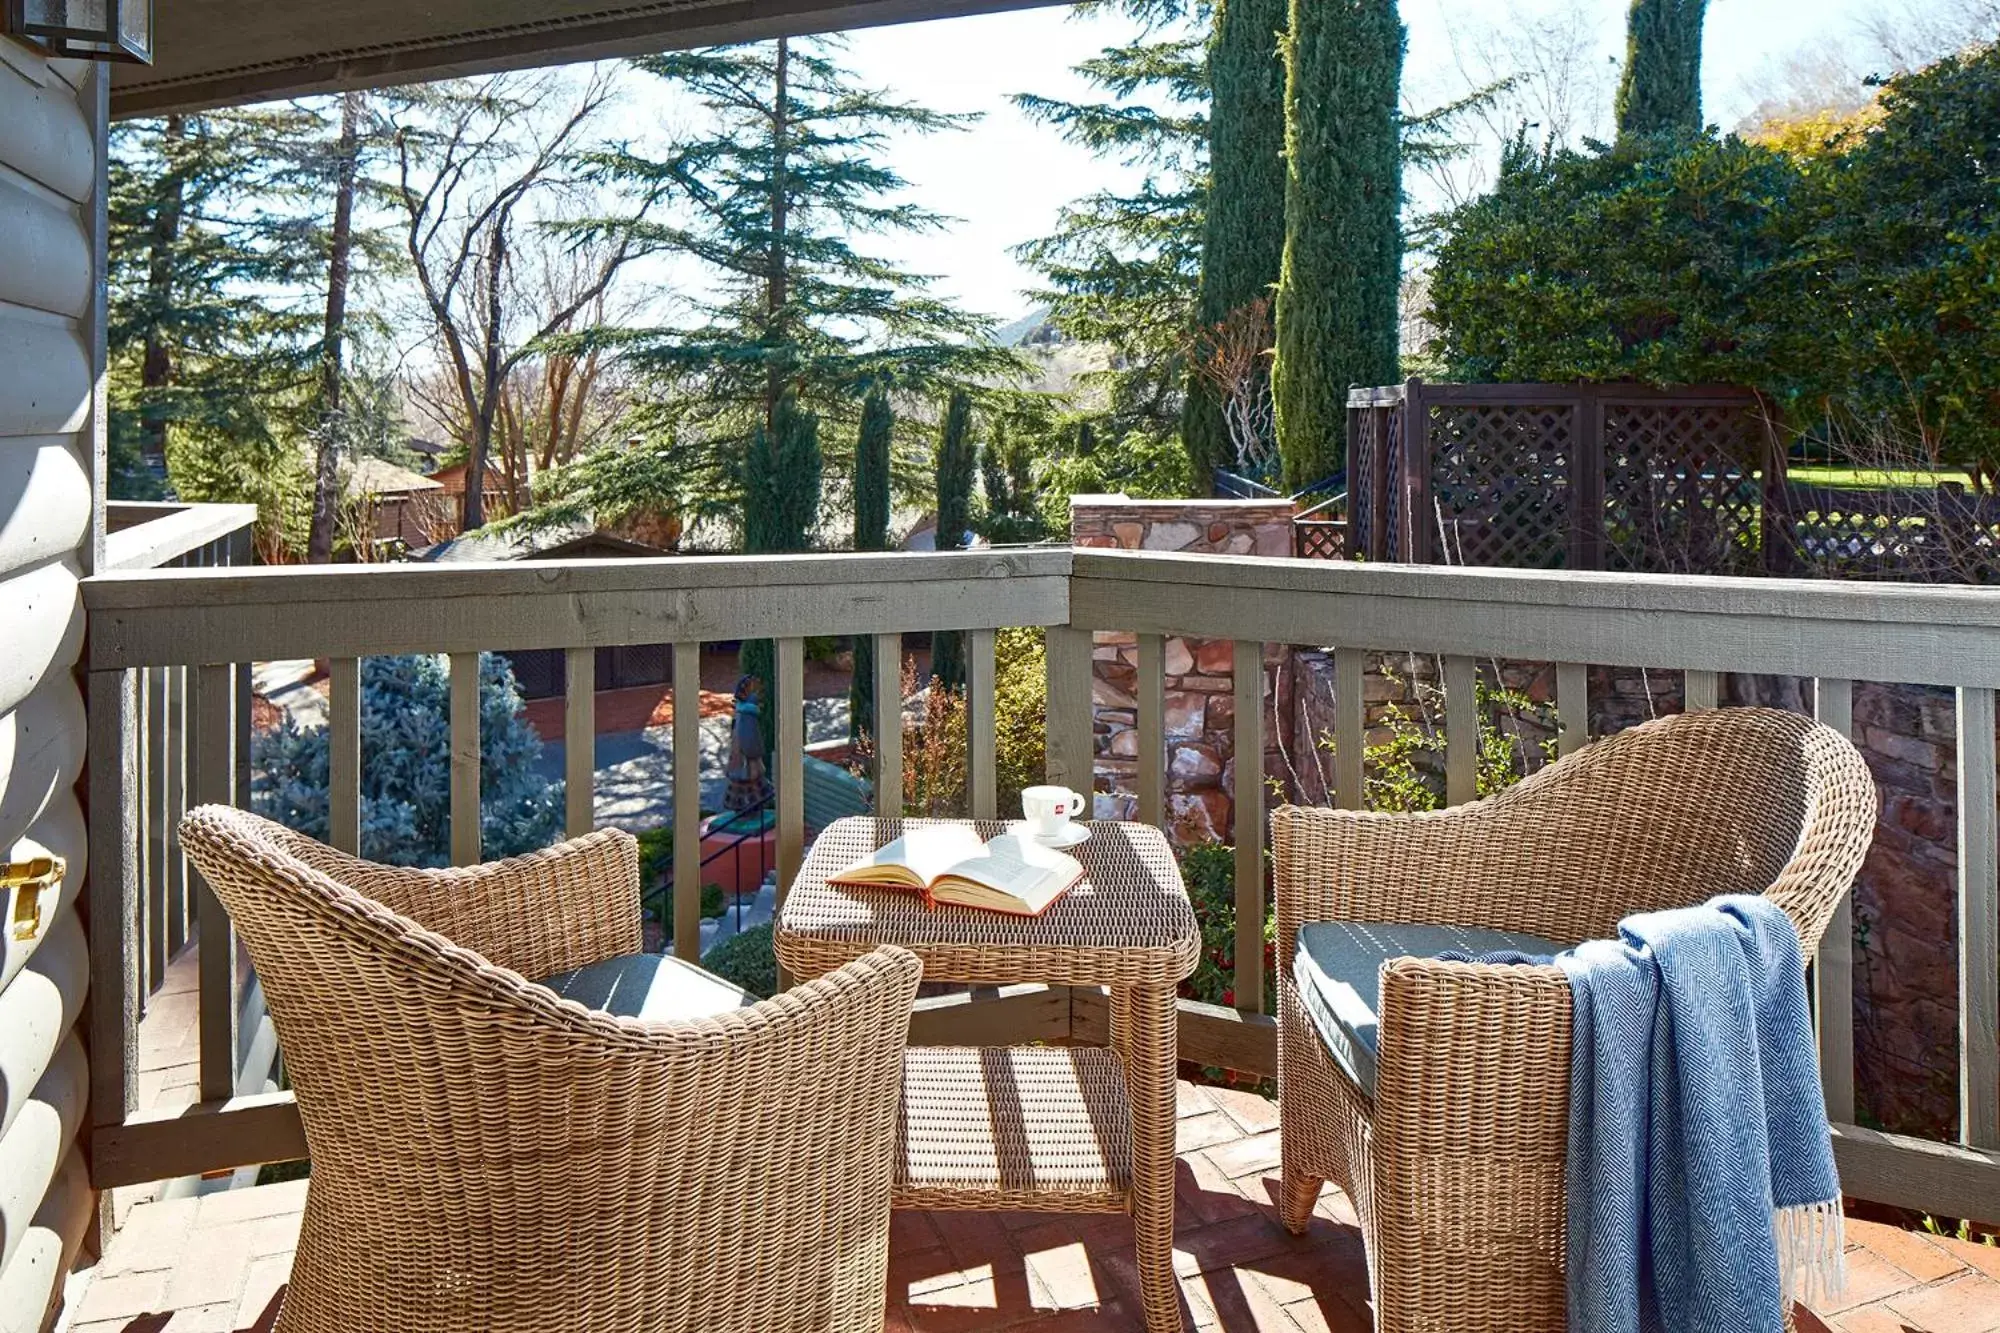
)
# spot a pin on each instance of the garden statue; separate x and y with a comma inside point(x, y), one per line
point(748, 774)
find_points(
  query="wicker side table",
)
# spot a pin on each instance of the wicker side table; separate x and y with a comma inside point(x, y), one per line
point(1053, 1128)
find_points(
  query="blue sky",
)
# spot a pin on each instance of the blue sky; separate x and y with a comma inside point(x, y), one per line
point(1006, 178)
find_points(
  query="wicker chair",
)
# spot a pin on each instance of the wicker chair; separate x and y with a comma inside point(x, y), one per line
point(489, 1158)
point(1455, 1162)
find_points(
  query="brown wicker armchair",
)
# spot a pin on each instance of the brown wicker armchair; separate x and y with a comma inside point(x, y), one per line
point(1454, 1156)
point(488, 1157)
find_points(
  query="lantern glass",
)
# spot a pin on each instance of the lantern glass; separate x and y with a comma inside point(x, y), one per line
point(85, 29)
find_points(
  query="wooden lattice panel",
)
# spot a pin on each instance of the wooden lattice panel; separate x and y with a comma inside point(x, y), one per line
point(1682, 490)
point(1319, 539)
point(1500, 483)
point(1906, 535)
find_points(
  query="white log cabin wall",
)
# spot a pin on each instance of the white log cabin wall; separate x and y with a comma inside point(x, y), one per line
point(50, 232)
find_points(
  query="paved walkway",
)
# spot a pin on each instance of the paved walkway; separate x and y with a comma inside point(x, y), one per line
point(218, 1264)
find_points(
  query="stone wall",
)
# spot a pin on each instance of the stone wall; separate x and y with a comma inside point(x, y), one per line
point(1200, 673)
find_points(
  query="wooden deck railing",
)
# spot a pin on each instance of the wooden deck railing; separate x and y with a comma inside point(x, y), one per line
point(1701, 626)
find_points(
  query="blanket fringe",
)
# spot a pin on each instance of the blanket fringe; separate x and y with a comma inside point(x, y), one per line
point(1812, 1241)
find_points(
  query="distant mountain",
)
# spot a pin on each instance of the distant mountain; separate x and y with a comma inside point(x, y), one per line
point(1030, 330)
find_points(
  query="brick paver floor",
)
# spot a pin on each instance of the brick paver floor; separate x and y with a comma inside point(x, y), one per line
point(218, 1264)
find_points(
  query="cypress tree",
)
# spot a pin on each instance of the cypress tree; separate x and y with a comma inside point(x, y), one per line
point(1661, 86)
point(1337, 295)
point(781, 485)
point(871, 533)
point(957, 462)
point(1243, 243)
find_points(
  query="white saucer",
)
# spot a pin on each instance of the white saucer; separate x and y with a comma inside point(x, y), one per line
point(1076, 836)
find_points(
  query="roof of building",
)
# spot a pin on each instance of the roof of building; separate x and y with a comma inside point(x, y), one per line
point(567, 543)
point(374, 476)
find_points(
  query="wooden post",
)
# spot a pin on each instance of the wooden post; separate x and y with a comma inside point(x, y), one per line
point(465, 814)
point(215, 784)
point(1419, 511)
point(888, 725)
point(1586, 481)
point(790, 770)
point(1700, 690)
point(580, 740)
point(1071, 743)
point(1572, 707)
point(1350, 727)
point(1833, 965)
point(1978, 926)
point(687, 802)
point(1461, 730)
point(1152, 699)
point(1249, 826)
point(343, 720)
point(114, 898)
point(981, 704)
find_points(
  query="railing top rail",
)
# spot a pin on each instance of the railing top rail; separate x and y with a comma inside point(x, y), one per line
point(170, 617)
point(1925, 635)
point(153, 534)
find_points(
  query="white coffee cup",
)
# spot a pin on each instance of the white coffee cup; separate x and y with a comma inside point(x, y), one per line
point(1049, 809)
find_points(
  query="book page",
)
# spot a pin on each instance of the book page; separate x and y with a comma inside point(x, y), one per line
point(1021, 868)
point(927, 853)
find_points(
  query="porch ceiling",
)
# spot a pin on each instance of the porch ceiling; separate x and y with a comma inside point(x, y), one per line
point(218, 52)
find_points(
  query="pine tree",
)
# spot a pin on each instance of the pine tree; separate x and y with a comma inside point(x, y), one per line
point(1337, 318)
point(872, 451)
point(957, 462)
point(782, 472)
point(406, 767)
point(1122, 267)
point(784, 182)
point(1661, 87)
point(333, 340)
point(202, 345)
point(1243, 244)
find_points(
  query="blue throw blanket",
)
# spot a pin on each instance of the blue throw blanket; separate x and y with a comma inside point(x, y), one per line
point(1702, 1193)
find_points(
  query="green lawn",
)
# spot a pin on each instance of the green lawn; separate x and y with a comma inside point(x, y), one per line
point(1871, 478)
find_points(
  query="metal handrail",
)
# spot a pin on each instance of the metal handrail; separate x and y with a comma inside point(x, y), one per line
point(661, 898)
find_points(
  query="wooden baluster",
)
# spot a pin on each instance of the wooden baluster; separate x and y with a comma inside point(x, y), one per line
point(1572, 707)
point(1249, 830)
point(1978, 926)
point(791, 767)
point(114, 897)
point(981, 752)
point(1350, 727)
point(465, 833)
point(154, 825)
point(1071, 739)
point(1461, 730)
point(1700, 689)
point(215, 784)
point(580, 741)
point(687, 802)
point(888, 725)
point(177, 774)
point(1152, 698)
point(343, 720)
point(1833, 965)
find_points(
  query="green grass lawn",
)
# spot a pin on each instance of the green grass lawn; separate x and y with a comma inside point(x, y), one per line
point(1870, 478)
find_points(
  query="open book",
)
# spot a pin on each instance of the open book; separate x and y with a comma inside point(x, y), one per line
point(948, 863)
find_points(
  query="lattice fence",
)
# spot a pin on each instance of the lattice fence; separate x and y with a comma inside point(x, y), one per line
point(1904, 534)
point(1546, 476)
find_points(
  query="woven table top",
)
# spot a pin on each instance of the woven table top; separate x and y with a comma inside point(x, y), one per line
point(1127, 923)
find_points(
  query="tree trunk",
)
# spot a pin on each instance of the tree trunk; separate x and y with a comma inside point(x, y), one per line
point(340, 254)
point(156, 370)
point(778, 286)
point(482, 420)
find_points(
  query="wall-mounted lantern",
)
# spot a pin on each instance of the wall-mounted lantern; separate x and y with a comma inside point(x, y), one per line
point(83, 29)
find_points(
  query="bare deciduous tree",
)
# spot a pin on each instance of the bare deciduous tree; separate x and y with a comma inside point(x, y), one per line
point(483, 168)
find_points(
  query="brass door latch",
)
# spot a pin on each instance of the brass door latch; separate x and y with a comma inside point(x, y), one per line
point(33, 883)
